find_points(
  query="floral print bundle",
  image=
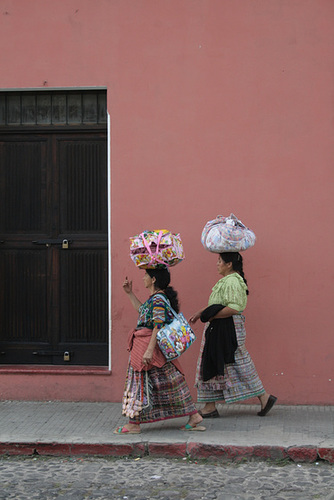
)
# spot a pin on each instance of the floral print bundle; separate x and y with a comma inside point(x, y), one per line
point(152, 249)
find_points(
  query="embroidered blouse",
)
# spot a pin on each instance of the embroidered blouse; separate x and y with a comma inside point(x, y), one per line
point(230, 291)
point(154, 313)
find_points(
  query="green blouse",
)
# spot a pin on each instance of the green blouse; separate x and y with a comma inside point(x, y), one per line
point(230, 291)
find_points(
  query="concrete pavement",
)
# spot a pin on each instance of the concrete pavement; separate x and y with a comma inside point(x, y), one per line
point(300, 433)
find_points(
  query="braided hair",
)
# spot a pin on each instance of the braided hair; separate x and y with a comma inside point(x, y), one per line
point(237, 263)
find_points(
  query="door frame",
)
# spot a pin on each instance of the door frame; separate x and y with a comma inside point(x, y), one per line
point(109, 233)
point(109, 260)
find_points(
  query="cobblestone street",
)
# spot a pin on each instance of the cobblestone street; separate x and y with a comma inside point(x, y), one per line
point(173, 479)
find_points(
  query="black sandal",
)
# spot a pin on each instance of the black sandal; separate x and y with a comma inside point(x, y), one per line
point(212, 414)
point(270, 403)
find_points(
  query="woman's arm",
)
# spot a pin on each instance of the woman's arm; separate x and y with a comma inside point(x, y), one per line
point(127, 287)
point(159, 318)
point(148, 354)
point(195, 317)
point(225, 313)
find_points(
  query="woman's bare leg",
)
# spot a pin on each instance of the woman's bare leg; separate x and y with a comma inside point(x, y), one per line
point(263, 399)
point(195, 419)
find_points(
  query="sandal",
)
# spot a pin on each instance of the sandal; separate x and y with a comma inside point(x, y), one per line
point(189, 427)
point(270, 403)
point(123, 430)
point(211, 414)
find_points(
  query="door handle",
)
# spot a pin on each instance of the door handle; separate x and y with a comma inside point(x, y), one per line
point(49, 242)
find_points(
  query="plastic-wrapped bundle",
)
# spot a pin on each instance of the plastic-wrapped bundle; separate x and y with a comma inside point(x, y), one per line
point(151, 249)
point(227, 234)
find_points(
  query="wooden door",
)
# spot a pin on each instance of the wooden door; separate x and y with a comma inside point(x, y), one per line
point(53, 250)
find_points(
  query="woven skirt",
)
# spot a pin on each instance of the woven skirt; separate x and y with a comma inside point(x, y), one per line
point(240, 380)
point(158, 394)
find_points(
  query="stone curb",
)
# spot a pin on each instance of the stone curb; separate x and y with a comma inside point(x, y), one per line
point(194, 451)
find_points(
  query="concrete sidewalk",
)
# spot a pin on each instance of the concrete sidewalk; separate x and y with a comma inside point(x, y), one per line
point(300, 433)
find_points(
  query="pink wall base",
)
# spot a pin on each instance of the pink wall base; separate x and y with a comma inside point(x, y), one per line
point(55, 383)
point(101, 385)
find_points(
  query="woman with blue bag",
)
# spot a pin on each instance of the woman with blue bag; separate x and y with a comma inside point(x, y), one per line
point(154, 389)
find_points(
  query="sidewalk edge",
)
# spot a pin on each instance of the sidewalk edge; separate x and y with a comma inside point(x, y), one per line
point(193, 451)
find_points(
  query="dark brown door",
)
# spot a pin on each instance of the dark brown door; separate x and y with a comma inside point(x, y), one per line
point(53, 233)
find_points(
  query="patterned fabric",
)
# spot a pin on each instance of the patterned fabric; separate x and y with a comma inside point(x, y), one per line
point(138, 341)
point(136, 392)
point(240, 381)
point(154, 313)
point(230, 291)
point(164, 395)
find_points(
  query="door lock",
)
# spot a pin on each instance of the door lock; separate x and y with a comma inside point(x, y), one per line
point(64, 245)
point(66, 356)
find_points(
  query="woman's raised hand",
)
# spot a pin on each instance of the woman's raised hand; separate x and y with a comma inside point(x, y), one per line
point(127, 285)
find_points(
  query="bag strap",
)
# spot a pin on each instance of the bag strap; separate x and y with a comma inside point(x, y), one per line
point(154, 258)
point(167, 302)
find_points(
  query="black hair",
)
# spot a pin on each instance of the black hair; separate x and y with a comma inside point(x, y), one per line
point(162, 280)
point(237, 263)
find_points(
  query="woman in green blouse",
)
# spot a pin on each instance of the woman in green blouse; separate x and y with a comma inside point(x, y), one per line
point(240, 380)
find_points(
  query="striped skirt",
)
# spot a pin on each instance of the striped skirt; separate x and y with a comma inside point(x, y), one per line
point(158, 394)
point(240, 380)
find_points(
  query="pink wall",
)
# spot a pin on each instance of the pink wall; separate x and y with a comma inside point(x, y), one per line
point(216, 106)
